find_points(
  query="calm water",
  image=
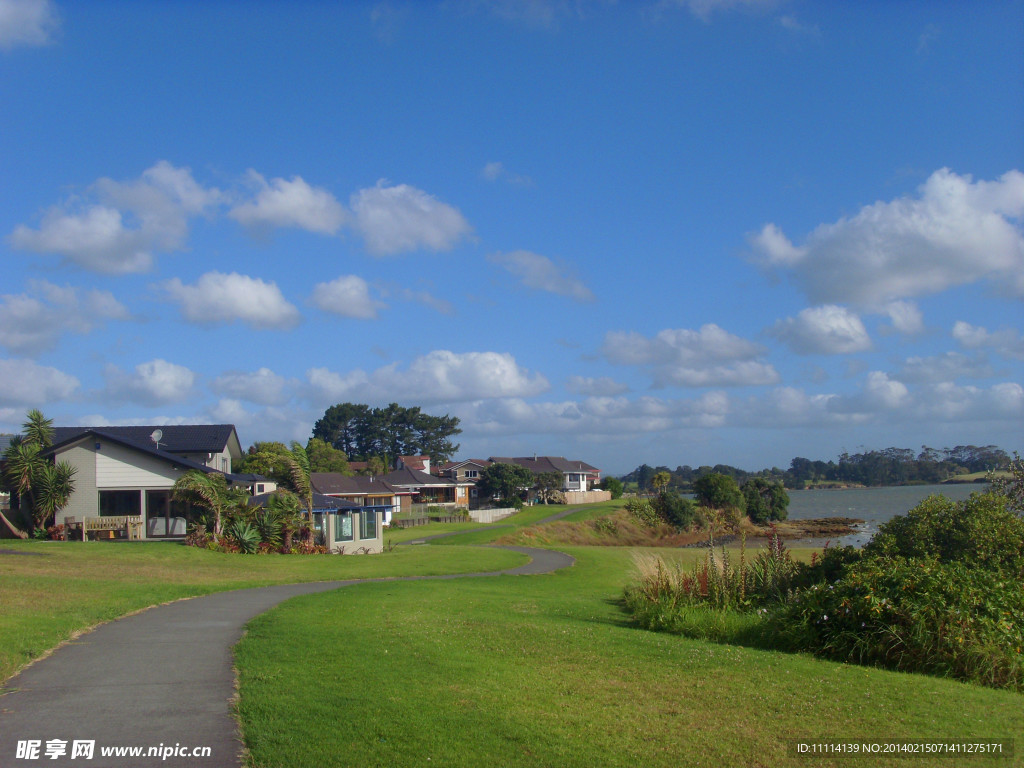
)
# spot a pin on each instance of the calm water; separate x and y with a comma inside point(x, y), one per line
point(873, 505)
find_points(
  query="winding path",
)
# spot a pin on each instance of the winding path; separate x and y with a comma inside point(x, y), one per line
point(159, 678)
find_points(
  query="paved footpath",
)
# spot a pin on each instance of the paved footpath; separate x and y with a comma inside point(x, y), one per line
point(160, 678)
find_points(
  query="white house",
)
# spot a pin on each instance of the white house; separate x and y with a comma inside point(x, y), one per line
point(129, 471)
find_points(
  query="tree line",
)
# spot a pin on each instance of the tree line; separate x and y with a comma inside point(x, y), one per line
point(891, 466)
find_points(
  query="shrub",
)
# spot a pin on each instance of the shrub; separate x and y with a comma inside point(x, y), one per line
point(982, 531)
point(920, 615)
point(718, 491)
point(765, 500)
point(675, 510)
point(643, 511)
point(244, 536)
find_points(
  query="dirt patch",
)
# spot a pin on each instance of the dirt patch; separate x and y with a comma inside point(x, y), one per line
point(19, 552)
point(623, 530)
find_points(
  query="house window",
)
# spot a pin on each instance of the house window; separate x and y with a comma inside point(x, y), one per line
point(165, 516)
point(114, 503)
point(368, 524)
point(472, 473)
point(259, 488)
point(343, 526)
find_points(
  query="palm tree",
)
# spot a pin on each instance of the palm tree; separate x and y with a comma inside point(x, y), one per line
point(42, 485)
point(205, 489)
point(38, 429)
point(297, 477)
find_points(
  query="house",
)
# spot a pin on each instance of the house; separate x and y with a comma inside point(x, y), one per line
point(576, 475)
point(372, 495)
point(347, 526)
point(466, 471)
point(430, 489)
point(129, 471)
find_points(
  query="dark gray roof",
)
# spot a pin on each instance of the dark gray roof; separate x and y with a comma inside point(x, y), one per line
point(147, 447)
point(539, 464)
point(177, 438)
point(320, 502)
point(334, 483)
point(406, 477)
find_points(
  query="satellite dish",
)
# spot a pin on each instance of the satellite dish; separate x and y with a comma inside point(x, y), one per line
point(155, 437)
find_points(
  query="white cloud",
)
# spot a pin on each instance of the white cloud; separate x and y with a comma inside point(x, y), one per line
point(26, 383)
point(492, 171)
point(282, 203)
point(156, 382)
point(956, 231)
point(827, 330)
point(906, 317)
point(1006, 342)
point(439, 376)
point(595, 387)
point(348, 296)
point(680, 357)
point(542, 274)
point(402, 218)
point(218, 298)
point(262, 386)
point(427, 299)
point(32, 323)
point(27, 22)
point(496, 171)
point(942, 368)
point(118, 226)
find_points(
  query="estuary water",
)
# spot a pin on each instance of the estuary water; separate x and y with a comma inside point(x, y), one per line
point(872, 505)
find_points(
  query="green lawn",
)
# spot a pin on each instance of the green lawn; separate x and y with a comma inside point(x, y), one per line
point(56, 589)
point(546, 670)
point(497, 671)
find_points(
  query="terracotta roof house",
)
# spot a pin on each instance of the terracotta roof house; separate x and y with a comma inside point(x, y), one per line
point(420, 463)
point(576, 475)
point(129, 471)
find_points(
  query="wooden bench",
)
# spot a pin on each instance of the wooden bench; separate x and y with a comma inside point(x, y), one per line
point(130, 524)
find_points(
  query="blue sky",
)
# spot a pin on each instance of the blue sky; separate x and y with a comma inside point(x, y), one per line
point(715, 231)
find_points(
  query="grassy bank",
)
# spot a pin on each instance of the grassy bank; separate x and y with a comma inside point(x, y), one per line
point(527, 671)
point(51, 590)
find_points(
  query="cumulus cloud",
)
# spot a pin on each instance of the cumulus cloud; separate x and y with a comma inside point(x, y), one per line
point(394, 219)
point(906, 317)
point(955, 231)
point(27, 22)
point(32, 322)
point(262, 386)
point(27, 383)
point(117, 227)
point(827, 330)
point(282, 203)
point(542, 274)
point(708, 357)
point(941, 368)
point(439, 376)
point(348, 296)
point(595, 387)
point(156, 382)
point(1006, 342)
point(219, 298)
